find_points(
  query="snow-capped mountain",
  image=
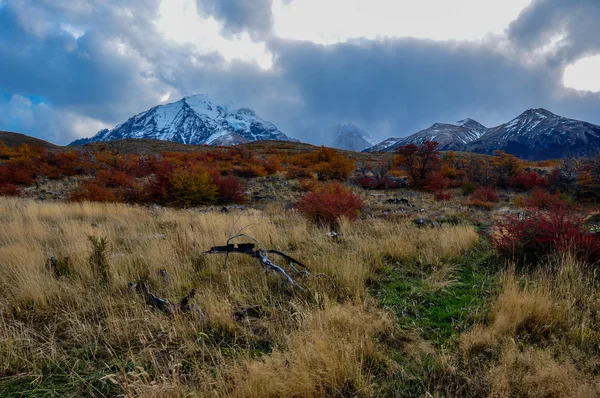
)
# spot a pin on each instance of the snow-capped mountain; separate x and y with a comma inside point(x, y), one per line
point(350, 137)
point(540, 134)
point(193, 120)
point(450, 136)
point(535, 134)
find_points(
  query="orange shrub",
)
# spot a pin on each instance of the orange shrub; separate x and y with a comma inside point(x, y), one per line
point(191, 188)
point(336, 168)
point(481, 204)
point(328, 202)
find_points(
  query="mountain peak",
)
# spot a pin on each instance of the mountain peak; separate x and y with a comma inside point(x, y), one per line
point(194, 119)
point(538, 113)
point(350, 137)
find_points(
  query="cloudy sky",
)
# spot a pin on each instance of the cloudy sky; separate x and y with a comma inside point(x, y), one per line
point(71, 67)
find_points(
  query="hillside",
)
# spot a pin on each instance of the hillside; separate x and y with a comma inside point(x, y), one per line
point(11, 140)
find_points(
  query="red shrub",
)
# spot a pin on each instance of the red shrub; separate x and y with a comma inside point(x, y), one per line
point(229, 189)
point(441, 196)
point(544, 200)
point(373, 182)
point(91, 191)
point(365, 181)
point(9, 189)
point(328, 202)
point(436, 182)
point(527, 181)
point(113, 179)
point(17, 173)
point(485, 194)
point(533, 235)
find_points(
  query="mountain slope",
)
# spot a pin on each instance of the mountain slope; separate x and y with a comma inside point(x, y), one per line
point(350, 138)
point(540, 134)
point(535, 134)
point(193, 120)
point(449, 136)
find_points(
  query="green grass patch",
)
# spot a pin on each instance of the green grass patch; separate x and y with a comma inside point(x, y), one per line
point(438, 301)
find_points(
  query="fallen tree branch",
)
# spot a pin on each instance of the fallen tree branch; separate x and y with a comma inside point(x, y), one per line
point(262, 255)
point(164, 305)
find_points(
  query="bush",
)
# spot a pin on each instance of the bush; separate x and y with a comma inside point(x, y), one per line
point(481, 204)
point(191, 188)
point(468, 188)
point(230, 189)
point(527, 181)
point(328, 202)
point(91, 191)
point(485, 194)
point(535, 234)
point(419, 161)
point(9, 189)
point(442, 196)
point(365, 181)
point(329, 164)
point(544, 200)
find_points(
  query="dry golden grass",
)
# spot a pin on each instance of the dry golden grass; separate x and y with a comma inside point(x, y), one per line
point(104, 340)
point(542, 338)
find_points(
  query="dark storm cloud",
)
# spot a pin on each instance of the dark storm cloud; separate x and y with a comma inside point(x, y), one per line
point(576, 21)
point(51, 80)
point(253, 16)
point(413, 83)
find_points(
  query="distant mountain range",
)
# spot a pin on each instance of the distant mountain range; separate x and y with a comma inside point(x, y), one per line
point(193, 120)
point(535, 134)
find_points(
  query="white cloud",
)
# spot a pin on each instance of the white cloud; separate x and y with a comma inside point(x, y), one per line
point(42, 120)
point(583, 75)
point(332, 21)
point(179, 21)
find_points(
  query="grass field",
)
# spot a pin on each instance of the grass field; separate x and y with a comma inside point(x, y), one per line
point(389, 310)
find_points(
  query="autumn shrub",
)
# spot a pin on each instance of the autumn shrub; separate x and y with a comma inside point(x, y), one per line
point(373, 182)
point(332, 165)
point(229, 189)
point(534, 234)
point(249, 170)
point(328, 202)
point(113, 179)
point(443, 196)
point(7, 189)
point(544, 200)
point(527, 181)
point(467, 188)
point(191, 188)
point(419, 162)
point(436, 182)
point(17, 173)
point(365, 181)
point(480, 204)
point(91, 191)
point(294, 172)
point(485, 194)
